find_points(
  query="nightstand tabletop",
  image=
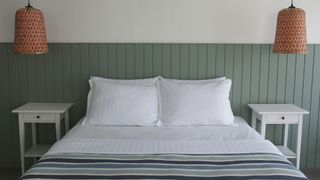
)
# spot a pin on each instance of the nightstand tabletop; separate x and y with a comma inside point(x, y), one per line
point(277, 109)
point(43, 108)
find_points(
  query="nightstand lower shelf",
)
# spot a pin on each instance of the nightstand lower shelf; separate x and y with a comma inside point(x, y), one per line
point(287, 152)
point(37, 150)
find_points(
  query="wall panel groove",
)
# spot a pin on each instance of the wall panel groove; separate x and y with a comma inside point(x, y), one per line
point(258, 77)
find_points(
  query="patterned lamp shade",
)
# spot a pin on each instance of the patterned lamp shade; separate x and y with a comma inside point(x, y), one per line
point(291, 35)
point(30, 33)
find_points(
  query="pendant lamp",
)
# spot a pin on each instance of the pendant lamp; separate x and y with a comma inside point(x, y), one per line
point(291, 35)
point(30, 34)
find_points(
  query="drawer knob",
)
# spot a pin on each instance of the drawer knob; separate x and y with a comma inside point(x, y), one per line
point(38, 117)
point(282, 117)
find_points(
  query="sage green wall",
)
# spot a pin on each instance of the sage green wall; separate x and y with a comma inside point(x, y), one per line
point(61, 76)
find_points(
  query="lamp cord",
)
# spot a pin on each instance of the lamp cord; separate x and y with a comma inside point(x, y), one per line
point(29, 5)
point(292, 6)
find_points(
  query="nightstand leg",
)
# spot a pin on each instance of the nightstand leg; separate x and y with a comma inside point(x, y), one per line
point(34, 137)
point(66, 121)
point(22, 139)
point(286, 132)
point(253, 120)
point(263, 129)
point(34, 134)
point(58, 130)
point(298, 151)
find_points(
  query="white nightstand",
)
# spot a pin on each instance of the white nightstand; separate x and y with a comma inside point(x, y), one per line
point(284, 114)
point(40, 113)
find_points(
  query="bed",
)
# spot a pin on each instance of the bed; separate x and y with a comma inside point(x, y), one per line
point(205, 152)
point(159, 128)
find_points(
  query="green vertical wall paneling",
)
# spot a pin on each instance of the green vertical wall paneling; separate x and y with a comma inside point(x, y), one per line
point(306, 99)
point(14, 98)
point(255, 69)
point(6, 120)
point(138, 59)
point(313, 124)
point(46, 82)
point(93, 59)
point(175, 65)
point(67, 71)
point(316, 130)
point(75, 80)
point(148, 63)
point(166, 60)
point(157, 58)
point(62, 76)
point(193, 61)
point(211, 60)
point(184, 61)
point(298, 91)
point(280, 95)
point(291, 65)
point(237, 78)
point(272, 84)
point(121, 61)
point(2, 123)
point(246, 80)
point(202, 61)
point(229, 57)
point(129, 61)
point(220, 63)
point(84, 74)
point(102, 61)
point(49, 75)
point(263, 80)
point(112, 60)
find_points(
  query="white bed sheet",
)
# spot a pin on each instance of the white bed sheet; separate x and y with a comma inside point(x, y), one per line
point(238, 138)
point(239, 131)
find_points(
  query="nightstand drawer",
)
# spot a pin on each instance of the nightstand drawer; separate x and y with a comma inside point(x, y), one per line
point(42, 117)
point(282, 118)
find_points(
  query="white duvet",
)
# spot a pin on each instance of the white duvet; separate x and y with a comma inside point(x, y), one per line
point(238, 138)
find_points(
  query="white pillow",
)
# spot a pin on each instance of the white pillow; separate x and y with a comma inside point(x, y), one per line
point(131, 81)
point(187, 104)
point(188, 81)
point(122, 104)
point(193, 81)
point(146, 81)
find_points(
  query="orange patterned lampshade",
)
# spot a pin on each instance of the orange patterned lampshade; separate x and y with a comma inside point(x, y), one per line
point(30, 33)
point(291, 35)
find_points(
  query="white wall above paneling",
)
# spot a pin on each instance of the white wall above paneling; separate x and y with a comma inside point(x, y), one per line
point(183, 21)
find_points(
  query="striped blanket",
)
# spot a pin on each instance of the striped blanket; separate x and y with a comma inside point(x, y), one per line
point(164, 166)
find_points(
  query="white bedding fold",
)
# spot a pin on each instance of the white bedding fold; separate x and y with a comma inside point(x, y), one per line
point(240, 130)
point(105, 146)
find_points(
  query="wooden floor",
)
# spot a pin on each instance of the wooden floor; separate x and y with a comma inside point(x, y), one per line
point(9, 173)
point(312, 174)
point(14, 174)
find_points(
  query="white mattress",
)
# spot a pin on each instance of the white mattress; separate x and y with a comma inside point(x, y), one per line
point(238, 138)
